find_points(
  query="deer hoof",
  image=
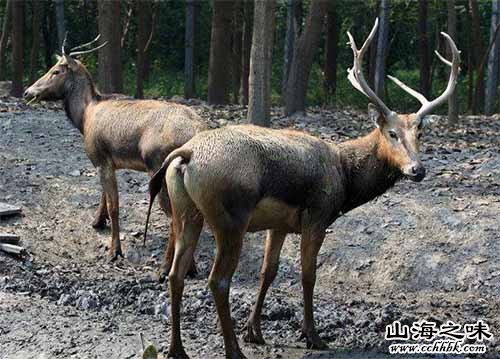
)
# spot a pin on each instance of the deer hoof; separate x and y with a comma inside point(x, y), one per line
point(238, 354)
point(313, 341)
point(253, 335)
point(99, 223)
point(192, 272)
point(115, 254)
point(177, 354)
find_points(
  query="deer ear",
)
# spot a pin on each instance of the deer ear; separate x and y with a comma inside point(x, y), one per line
point(375, 116)
point(428, 120)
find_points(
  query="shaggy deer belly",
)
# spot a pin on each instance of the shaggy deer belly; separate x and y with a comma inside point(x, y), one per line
point(272, 213)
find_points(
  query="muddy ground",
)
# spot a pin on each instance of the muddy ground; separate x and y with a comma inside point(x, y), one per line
point(424, 250)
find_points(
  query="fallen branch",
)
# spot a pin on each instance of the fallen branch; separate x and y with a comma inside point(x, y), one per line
point(9, 238)
point(11, 248)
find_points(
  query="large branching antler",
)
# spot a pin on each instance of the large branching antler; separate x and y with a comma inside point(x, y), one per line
point(427, 105)
point(356, 76)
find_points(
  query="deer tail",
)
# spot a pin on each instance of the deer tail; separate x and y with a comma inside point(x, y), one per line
point(156, 182)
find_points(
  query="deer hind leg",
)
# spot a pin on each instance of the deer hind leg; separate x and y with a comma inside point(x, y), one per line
point(154, 163)
point(229, 242)
point(170, 248)
point(108, 181)
point(310, 245)
point(101, 215)
point(187, 224)
point(274, 243)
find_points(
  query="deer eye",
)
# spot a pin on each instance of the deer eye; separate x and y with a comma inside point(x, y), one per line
point(55, 72)
point(393, 135)
point(419, 136)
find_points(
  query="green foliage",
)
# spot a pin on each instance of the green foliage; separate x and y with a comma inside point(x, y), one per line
point(166, 52)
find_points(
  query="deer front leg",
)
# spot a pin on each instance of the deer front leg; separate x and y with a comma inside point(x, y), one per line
point(274, 243)
point(108, 181)
point(101, 215)
point(310, 244)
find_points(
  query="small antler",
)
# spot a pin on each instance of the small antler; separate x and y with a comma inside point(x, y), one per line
point(427, 105)
point(63, 52)
point(75, 53)
point(356, 76)
point(86, 44)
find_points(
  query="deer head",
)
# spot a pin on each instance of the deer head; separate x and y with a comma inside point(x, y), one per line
point(52, 86)
point(400, 133)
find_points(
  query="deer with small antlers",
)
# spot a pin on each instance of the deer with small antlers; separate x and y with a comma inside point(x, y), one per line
point(117, 133)
point(245, 179)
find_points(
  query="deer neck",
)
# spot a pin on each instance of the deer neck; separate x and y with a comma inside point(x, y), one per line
point(368, 171)
point(79, 93)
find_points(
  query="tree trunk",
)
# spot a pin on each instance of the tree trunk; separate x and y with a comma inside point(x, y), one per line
point(189, 56)
point(293, 20)
point(61, 24)
point(382, 42)
point(47, 34)
point(372, 62)
point(110, 63)
point(35, 41)
point(452, 31)
point(332, 39)
point(424, 49)
point(303, 55)
point(259, 102)
point(143, 12)
point(237, 37)
point(17, 48)
point(219, 68)
point(493, 58)
point(5, 36)
point(246, 45)
point(477, 50)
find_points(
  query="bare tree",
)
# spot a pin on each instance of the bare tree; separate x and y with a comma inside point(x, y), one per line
point(17, 48)
point(110, 62)
point(423, 40)
point(304, 50)
point(5, 36)
point(491, 96)
point(477, 50)
point(372, 61)
point(293, 24)
point(61, 22)
point(236, 41)
point(259, 101)
point(246, 45)
point(144, 29)
point(35, 40)
point(189, 38)
point(452, 31)
point(382, 44)
point(332, 39)
point(219, 73)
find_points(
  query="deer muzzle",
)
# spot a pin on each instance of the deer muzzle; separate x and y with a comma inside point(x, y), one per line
point(415, 171)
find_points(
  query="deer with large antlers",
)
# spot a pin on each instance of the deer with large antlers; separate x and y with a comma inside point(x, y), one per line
point(117, 133)
point(245, 178)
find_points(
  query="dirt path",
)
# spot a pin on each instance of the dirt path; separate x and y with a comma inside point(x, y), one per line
point(421, 251)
